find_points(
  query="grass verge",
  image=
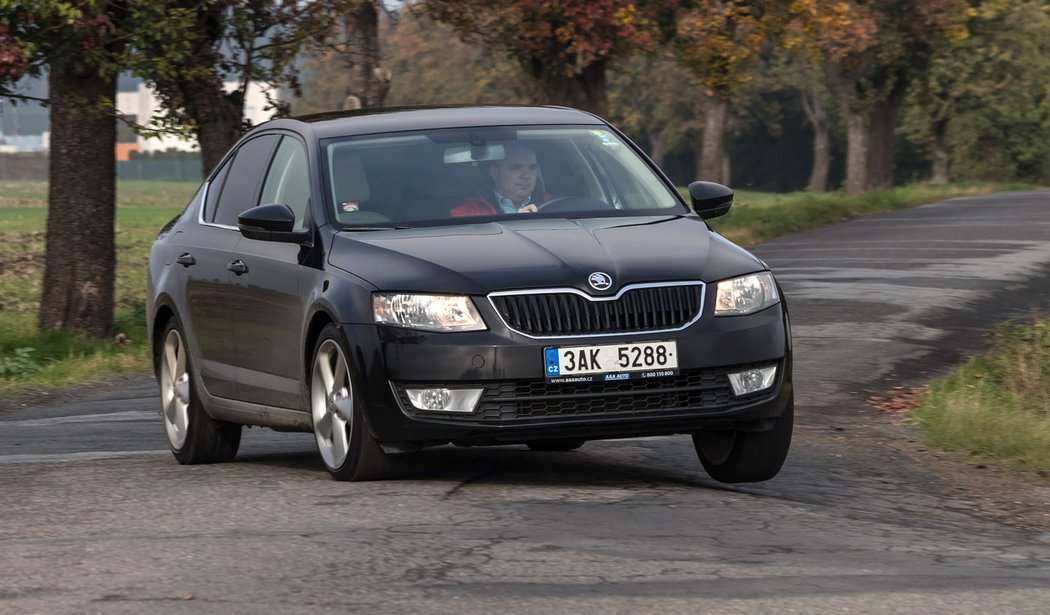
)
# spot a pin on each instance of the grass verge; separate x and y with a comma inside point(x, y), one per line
point(757, 216)
point(30, 359)
point(996, 407)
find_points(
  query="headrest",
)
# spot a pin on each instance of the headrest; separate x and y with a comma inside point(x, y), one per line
point(348, 177)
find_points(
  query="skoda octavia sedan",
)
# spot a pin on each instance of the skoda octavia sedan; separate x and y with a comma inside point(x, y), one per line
point(476, 276)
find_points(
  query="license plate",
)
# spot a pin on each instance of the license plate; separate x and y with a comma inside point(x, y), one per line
point(611, 362)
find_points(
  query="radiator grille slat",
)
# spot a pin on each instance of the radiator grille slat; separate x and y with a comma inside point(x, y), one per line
point(565, 313)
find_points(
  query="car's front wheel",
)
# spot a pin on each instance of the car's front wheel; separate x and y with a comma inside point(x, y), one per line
point(194, 437)
point(736, 456)
point(346, 446)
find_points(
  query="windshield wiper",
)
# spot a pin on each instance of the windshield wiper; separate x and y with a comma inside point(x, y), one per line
point(398, 227)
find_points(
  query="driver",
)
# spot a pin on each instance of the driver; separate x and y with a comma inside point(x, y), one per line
point(513, 183)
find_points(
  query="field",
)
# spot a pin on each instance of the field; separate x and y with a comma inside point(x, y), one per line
point(29, 359)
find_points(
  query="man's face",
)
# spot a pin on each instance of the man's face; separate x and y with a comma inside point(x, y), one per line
point(515, 176)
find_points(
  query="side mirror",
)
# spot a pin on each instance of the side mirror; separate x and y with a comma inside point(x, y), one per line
point(710, 200)
point(273, 222)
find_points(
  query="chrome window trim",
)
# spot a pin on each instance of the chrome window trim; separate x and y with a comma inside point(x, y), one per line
point(576, 291)
point(200, 212)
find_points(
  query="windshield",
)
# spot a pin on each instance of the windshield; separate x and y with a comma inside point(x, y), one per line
point(474, 174)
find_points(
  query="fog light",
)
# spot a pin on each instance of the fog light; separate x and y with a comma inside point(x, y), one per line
point(752, 380)
point(444, 400)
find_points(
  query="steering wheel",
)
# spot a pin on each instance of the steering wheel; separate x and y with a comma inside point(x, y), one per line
point(563, 204)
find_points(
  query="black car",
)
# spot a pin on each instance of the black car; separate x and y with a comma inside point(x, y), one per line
point(399, 279)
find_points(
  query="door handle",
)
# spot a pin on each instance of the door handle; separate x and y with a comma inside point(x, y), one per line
point(238, 267)
point(185, 259)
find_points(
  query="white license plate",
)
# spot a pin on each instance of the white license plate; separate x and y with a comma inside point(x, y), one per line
point(611, 362)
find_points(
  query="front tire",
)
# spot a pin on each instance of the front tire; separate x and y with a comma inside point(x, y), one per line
point(734, 456)
point(346, 446)
point(193, 436)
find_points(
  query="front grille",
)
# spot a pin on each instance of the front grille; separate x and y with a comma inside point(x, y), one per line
point(567, 313)
point(691, 390)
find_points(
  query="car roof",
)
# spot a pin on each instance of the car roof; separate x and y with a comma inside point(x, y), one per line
point(397, 119)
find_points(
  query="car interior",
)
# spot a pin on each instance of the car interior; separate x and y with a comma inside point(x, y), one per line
point(410, 180)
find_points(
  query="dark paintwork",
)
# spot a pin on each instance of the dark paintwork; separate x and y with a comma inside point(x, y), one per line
point(249, 330)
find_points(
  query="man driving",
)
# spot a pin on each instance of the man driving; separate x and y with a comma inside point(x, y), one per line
point(513, 182)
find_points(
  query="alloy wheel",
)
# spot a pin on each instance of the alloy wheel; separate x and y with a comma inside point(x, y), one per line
point(175, 389)
point(332, 403)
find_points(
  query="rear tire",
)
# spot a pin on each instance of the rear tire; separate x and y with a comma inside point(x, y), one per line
point(733, 456)
point(340, 428)
point(565, 444)
point(193, 436)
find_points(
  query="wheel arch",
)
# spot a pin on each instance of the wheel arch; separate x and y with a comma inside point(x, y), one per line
point(163, 313)
point(318, 321)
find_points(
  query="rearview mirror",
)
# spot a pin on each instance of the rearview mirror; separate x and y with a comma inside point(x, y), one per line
point(273, 222)
point(710, 200)
point(459, 154)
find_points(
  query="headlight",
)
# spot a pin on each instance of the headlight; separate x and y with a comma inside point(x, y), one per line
point(746, 294)
point(428, 312)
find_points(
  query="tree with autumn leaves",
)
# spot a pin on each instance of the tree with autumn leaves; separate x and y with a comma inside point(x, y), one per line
point(564, 48)
point(186, 49)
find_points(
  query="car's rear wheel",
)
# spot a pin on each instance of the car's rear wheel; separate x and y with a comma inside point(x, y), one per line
point(563, 444)
point(346, 446)
point(736, 456)
point(194, 437)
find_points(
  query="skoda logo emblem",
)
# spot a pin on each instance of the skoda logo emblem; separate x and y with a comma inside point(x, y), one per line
point(599, 280)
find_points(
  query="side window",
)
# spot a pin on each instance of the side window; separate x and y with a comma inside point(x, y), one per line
point(288, 180)
point(214, 190)
point(242, 184)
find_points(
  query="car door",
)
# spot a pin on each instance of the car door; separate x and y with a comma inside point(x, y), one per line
point(207, 254)
point(267, 306)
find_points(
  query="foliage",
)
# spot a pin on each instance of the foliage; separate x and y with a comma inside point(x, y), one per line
point(650, 99)
point(19, 362)
point(566, 36)
point(995, 126)
point(718, 39)
point(562, 47)
point(997, 406)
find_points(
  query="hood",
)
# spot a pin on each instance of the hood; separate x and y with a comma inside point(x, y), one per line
point(540, 253)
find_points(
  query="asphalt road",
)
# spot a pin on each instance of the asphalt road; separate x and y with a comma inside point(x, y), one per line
point(96, 516)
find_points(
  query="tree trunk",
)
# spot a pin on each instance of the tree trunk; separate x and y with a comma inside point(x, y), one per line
point(713, 152)
point(857, 152)
point(657, 149)
point(939, 150)
point(219, 117)
point(80, 256)
point(583, 90)
point(817, 113)
point(880, 124)
point(368, 82)
point(196, 92)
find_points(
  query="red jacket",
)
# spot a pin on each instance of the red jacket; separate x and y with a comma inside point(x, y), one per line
point(474, 206)
point(480, 206)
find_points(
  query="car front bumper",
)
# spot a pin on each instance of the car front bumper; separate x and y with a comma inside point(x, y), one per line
point(518, 405)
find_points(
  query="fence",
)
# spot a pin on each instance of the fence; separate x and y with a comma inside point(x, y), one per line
point(33, 166)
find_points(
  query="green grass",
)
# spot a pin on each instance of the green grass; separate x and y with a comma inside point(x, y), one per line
point(996, 407)
point(757, 216)
point(30, 359)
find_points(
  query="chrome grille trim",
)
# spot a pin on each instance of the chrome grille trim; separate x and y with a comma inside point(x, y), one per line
point(575, 291)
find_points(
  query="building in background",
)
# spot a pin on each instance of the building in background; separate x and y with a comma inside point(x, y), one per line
point(26, 127)
point(138, 102)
